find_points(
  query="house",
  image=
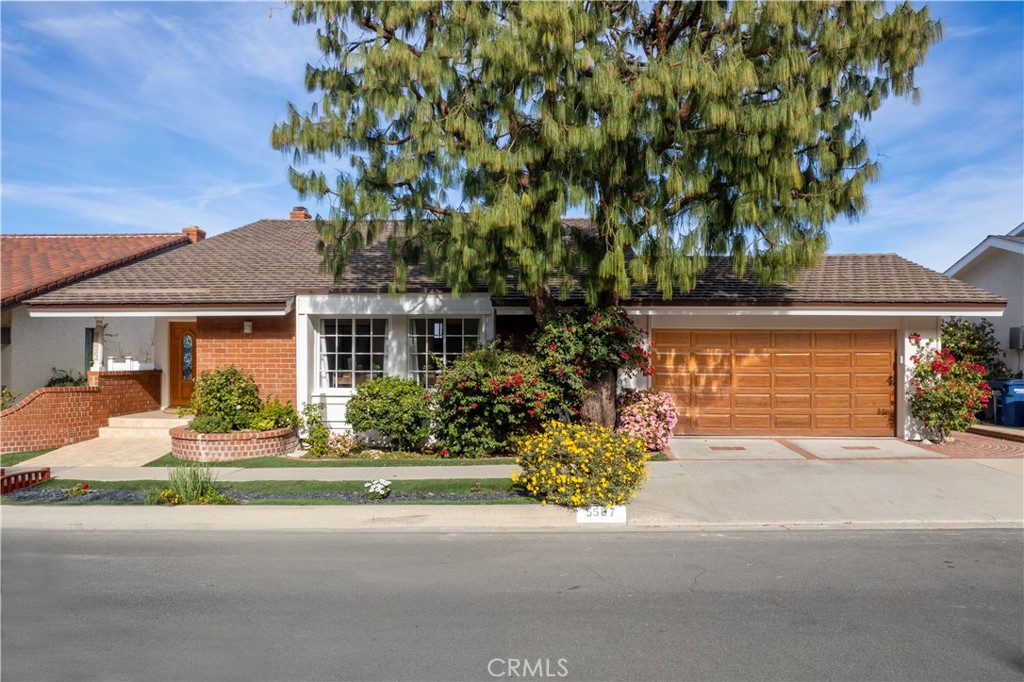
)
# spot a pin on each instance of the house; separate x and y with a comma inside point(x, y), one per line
point(823, 355)
point(33, 264)
point(997, 265)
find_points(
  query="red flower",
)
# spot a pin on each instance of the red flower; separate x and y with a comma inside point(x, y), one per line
point(444, 452)
point(85, 486)
point(553, 347)
point(569, 329)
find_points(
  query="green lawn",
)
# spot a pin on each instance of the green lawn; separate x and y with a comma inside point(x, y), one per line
point(12, 458)
point(402, 460)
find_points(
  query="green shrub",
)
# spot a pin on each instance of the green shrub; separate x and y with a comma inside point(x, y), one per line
point(66, 377)
point(275, 415)
point(975, 343)
point(580, 465)
point(316, 438)
point(395, 408)
point(210, 423)
point(228, 393)
point(193, 483)
point(7, 397)
point(487, 397)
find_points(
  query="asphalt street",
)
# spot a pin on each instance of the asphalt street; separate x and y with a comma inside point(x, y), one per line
point(813, 605)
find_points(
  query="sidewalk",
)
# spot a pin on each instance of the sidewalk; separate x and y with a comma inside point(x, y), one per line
point(681, 495)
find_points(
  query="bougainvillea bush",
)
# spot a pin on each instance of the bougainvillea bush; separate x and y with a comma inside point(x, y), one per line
point(581, 465)
point(945, 393)
point(648, 416)
point(579, 347)
point(976, 342)
point(488, 396)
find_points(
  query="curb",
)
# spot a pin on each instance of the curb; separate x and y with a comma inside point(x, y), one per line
point(416, 518)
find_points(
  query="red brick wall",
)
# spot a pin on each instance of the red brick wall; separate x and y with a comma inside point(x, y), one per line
point(216, 447)
point(53, 417)
point(268, 353)
point(128, 392)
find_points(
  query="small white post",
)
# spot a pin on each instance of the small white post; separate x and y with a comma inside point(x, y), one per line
point(97, 346)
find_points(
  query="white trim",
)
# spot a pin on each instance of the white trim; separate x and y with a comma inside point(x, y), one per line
point(398, 304)
point(163, 313)
point(990, 242)
point(808, 312)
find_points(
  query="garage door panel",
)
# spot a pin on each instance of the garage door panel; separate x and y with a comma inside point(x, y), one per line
point(833, 381)
point(874, 338)
point(793, 401)
point(711, 339)
point(722, 400)
point(786, 381)
point(837, 339)
point(833, 422)
point(748, 340)
point(872, 381)
point(882, 361)
point(752, 421)
point(872, 401)
point(833, 360)
point(711, 423)
point(872, 422)
point(750, 360)
point(791, 339)
point(673, 380)
point(746, 380)
point(792, 422)
point(791, 382)
point(792, 360)
point(752, 401)
point(833, 401)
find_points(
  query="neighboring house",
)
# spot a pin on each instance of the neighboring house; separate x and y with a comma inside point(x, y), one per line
point(823, 355)
point(997, 265)
point(36, 264)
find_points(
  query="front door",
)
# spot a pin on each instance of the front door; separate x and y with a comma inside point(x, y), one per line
point(182, 361)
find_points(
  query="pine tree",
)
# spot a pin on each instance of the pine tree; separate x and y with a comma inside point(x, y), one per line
point(684, 129)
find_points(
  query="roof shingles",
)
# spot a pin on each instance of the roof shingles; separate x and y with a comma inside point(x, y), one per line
point(32, 264)
point(267, 262)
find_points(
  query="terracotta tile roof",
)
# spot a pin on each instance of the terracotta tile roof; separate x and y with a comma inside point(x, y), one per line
point(267, 262)
point(35, 263)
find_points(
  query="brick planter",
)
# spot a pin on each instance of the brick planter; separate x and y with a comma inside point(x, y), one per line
point(219, 447)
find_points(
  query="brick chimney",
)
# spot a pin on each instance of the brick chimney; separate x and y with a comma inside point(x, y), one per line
point(300, 213)
point(194, 234)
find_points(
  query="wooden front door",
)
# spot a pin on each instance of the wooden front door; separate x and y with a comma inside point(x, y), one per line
point(182, 361)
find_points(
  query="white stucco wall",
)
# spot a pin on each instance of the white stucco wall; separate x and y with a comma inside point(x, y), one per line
point(40, 344)
point(1002, 273)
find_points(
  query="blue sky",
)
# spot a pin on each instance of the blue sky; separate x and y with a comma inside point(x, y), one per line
point(147, 117)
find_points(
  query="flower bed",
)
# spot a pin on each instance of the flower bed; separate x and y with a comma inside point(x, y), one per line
point(218, 447)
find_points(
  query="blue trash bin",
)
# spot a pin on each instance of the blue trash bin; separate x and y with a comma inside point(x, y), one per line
point(1009, 408)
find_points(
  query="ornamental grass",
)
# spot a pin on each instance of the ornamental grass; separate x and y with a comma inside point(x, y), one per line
point(581, 465)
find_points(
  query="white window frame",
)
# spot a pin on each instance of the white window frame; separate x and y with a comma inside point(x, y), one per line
point(427, 377)
point(323, 373)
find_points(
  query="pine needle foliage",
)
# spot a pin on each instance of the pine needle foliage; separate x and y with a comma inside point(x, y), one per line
point(685, 130)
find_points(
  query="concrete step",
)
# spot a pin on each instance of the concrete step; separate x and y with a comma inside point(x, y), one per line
point(146, 422)
point(159, 432)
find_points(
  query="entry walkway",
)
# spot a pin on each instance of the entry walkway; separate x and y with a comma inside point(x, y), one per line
point(128, 441)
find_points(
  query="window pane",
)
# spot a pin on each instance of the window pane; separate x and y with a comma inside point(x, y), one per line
point(378, 344)
point(472, 328)
point(454, 328)
point(186, 358)
point(380, 327)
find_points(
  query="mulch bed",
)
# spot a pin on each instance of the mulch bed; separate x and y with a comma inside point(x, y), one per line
point(973, 446)
point(99, 495)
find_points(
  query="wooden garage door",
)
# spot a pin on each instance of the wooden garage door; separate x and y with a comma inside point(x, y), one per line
point(786, 383)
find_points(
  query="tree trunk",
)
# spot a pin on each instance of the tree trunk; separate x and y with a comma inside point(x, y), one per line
point(599, 406)
point(542, 304)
